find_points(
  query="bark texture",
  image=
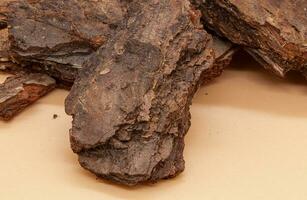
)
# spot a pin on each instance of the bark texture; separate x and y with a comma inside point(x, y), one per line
point(130, 103)
point(272, 31)
point(6, 63)
point(223, 53)
point(58, 36)
point(4, 12)
point(47, 37)
point(19, 91)
point(15, 93)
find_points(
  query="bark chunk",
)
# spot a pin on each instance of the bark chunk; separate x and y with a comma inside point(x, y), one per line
point(130, 103)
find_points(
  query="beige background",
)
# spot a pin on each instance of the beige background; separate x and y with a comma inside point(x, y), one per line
point(248, 141)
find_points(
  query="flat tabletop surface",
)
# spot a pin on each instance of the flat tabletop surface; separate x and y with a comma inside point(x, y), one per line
point(248, 140)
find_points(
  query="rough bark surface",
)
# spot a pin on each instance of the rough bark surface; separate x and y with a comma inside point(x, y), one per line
point(4, 55)
point(56, 37)
point(130, 104)
point(19, 91)
point(6, 63)
point(16, 99)
point(60, 35)
point(4, 13)
point(273, 31)
point(223, 53)
point(60, 46)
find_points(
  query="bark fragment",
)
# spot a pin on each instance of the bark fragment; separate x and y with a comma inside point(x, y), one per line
point(272, 31)
point(130, 103)
point(19, 91)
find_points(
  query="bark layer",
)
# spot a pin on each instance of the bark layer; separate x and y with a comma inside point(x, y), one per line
point(130, 103)
point(272, 31)
point(19, 91)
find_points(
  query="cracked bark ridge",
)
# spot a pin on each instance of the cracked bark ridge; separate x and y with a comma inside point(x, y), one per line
point(60, 35)
point(272, 31)
point(19, 91)
point(223, 53)
point(130, 103)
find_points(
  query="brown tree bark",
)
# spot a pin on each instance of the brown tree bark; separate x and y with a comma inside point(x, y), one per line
point(56, 38)
point(19, 91)
point(130, 103)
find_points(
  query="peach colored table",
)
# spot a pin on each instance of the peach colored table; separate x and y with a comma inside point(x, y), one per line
point(248, 141)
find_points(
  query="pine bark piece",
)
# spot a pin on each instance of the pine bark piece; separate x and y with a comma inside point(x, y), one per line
point(130, 103)
point(60, 35)
point(272, 31)
point(19, 91)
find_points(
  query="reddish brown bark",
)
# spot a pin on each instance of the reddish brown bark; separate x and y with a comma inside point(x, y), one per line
point(19, 91)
